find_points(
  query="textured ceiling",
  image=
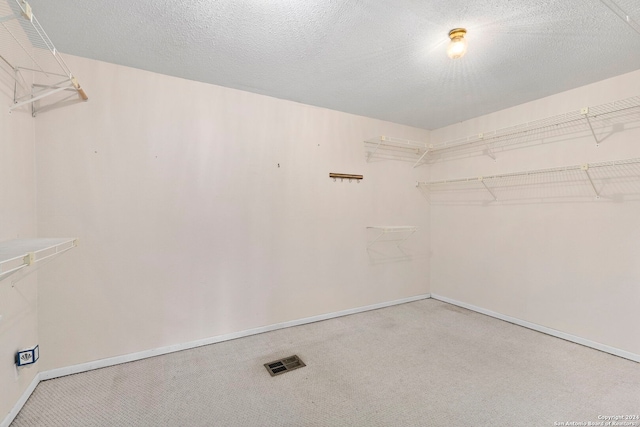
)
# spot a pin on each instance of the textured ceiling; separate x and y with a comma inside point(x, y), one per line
point(379, 58)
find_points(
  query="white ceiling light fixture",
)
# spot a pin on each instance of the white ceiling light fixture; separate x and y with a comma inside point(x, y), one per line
point(458, 44)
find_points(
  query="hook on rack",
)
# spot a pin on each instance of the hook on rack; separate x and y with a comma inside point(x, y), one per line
point(344, 176)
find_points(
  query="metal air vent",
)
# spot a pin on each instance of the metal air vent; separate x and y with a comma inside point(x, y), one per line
point(281, 366)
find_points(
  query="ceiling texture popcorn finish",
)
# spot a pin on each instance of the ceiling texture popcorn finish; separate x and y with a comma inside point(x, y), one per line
point(384, 59)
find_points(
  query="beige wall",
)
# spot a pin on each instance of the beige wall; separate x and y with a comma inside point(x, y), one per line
point(189, 229)
point(18, 302)
point(564, 263)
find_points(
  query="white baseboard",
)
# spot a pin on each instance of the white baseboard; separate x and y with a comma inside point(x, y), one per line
point(103, 363)
point(543, 329)
point(20, 403)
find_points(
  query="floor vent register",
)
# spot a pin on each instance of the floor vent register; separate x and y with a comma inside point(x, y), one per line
point(282, 366)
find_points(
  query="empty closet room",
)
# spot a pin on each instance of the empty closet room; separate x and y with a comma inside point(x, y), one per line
point(319, 213)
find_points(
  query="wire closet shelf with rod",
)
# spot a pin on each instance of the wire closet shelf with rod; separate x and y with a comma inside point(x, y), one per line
point(31, 68)
point(598, 122)
point(616, 181)
point(19, 254)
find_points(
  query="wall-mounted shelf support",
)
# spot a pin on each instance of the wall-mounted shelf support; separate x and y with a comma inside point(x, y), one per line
point(585, 112)
point(588, 172)
point(488, 151)
point(36, 98)
point(386, 147)
point(26, 48)
point(20, 253)
point(417, 163)
point(488, 189)
point(579, 121)
point(407, 230)
point(585, 168)
point(375, 150)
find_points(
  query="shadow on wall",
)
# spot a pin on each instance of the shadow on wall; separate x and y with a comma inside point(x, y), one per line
point(613, 182)
point(389, 254)
point(385, 244)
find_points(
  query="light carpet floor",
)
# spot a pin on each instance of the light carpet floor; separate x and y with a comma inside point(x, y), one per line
point(425, 363)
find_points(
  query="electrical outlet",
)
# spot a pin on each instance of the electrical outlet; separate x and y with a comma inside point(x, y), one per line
point(28, 356)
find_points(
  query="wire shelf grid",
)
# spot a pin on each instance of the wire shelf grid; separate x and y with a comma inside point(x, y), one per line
point(586, 119)
point(29, 61)
point(602, 180)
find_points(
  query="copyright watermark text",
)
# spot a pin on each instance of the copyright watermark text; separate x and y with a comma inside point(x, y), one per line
point(605, 421)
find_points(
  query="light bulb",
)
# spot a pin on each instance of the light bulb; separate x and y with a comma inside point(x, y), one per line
point(458, 44)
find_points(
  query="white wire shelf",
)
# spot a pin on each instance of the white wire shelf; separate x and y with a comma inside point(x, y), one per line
point(589, 179)
point(29, 61)
point(20, 253)
point(587, 120)
point(404, 232)
point(386, 147)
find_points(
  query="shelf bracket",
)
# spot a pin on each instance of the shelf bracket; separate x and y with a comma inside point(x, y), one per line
point(36, 98)
point(487, 150)
point(29, 37)
point(29, 258)
point(481, 179)
point(409, 230)
point(376, 239)
point(421, 157)
point(407, 236)
point(585, 112)
point(377, 146)
point(489, 153)
point(585, 168)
